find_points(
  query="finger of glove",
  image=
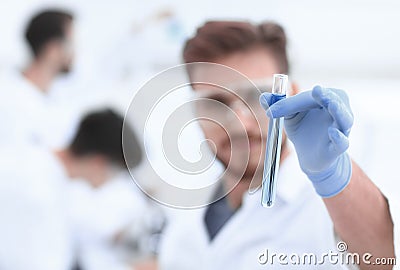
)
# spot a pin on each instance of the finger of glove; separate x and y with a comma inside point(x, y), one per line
point(291, 106)
point(336, 108)
point(266, 100)
point(339, 142)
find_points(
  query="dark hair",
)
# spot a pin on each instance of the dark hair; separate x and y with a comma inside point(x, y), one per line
point(46, 26)
point(100, 133)
point(216, 39)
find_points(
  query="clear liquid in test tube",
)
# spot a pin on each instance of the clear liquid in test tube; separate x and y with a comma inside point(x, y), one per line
point(274, 143)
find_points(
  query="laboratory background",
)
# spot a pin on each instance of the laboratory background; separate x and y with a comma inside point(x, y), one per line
point(120, 45)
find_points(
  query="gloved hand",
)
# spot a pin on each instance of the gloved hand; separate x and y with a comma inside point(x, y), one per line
point(318, 123)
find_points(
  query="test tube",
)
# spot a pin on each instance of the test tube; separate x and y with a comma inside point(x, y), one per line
point(274, 143)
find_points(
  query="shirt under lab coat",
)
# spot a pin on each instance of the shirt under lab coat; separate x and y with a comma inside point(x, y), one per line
point(298, 223)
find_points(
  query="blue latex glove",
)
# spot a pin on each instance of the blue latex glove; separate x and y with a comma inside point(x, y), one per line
point(318, 123)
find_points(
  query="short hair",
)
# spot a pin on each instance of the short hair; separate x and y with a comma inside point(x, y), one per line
point(100, 133)
point(216, 39)
point(46, 26)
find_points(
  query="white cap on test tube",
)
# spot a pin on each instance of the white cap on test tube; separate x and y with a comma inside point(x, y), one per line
point(280, 83)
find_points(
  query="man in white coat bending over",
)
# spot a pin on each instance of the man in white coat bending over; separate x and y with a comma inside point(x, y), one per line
point(326, 207)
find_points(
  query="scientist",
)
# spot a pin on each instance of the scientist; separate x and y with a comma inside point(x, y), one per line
point(36, 229)
point(26, 94)
point(323, 197)
point(99, 215)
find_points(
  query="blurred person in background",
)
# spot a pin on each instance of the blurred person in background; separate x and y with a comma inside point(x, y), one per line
point(95, 153)
point(49, 35)
point(37, 230)
point(35, 121)
point(101, 215)
point(25, 94)
point(232, 232)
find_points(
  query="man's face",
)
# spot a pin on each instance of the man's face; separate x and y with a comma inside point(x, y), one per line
point(59, 53)
point(239, 130)
point(94, 169)
point(67, 54)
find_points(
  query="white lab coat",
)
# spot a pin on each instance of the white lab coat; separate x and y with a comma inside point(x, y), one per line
point(298, 222)
point(34, 229)
point(99, 215)
point(35, 115)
